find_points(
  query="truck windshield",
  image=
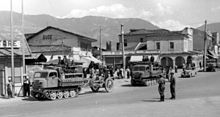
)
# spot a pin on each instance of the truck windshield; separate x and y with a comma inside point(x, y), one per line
point(40, 75)
point(139, 68)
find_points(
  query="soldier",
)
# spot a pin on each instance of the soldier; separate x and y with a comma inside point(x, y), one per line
point(161, 87)
point(172, 85)
point(26, 86)
point(9, 89)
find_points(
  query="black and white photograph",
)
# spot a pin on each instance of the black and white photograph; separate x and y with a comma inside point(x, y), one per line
point(109, 58)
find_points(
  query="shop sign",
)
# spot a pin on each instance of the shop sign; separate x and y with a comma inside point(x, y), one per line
point(7, 44)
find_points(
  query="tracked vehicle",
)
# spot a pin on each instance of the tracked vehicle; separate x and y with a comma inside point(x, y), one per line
point(55, 82)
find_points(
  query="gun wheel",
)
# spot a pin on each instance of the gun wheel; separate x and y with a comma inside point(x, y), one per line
point(109, 84)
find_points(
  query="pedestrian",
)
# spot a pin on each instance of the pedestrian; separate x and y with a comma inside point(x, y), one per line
point(26, 86)
point(128, 72)
point(9, 89)
point(175, 68)
point(172, 86)
point(161, 88)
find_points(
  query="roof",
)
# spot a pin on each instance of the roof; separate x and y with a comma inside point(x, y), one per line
point(49, 48)
point(31, 35)
point(5, 35)
point(158, 32)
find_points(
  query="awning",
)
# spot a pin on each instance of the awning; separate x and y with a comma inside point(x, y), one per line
point(91, 58)
point(136, 58)
point(211, 54)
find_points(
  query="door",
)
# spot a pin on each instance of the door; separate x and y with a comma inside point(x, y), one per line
point(52, 80)
point(2, 79)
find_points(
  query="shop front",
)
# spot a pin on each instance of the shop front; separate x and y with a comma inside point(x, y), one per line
point(6, 62)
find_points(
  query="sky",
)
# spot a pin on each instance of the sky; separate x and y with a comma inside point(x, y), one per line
point(168, 14)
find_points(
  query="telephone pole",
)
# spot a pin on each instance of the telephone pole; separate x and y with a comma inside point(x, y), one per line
point(123, 50)
point(100, 42)
point(205, 48)
point(23, 37)
point(12, 50)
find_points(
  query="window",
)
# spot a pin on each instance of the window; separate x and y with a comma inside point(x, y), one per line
point(158, 45)
point(125, 43)
point(171, 45)
point(47, 37)
point(53, 74)
point(141, 40)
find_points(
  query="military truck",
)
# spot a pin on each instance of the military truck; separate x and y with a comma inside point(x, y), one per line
point(144, 72)
point(57, 82)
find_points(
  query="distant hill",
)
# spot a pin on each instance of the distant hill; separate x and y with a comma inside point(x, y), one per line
point(213, 27)
point(88, 26)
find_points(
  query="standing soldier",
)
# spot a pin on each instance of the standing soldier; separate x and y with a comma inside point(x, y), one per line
point(161, 88)
point(26, 86)
point(172, 86)
point(9, 89)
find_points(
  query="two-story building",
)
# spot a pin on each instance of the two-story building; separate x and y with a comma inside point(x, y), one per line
point(169, 48)
point(54, 42)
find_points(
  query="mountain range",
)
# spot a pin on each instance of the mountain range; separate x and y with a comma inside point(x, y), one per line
point(213, 27)
point(87, 26)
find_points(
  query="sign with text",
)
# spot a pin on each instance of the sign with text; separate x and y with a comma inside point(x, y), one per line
point(7, 44)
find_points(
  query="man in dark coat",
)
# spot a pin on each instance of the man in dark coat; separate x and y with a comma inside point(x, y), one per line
point(172, 85)
point(26, 86)
point(161, 88)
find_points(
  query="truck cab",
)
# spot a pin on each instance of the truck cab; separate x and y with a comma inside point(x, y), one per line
point(45, 79)
point(143, 72)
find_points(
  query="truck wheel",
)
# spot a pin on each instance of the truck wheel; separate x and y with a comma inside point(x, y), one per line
point(72, 93)
point(95, 88)
point(60, 95)
point(66, 94)
point(53, 95)
point(109, 84)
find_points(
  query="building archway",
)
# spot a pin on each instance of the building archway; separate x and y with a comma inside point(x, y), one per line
point(167, 61)
point(189, 60)
point(179, 61)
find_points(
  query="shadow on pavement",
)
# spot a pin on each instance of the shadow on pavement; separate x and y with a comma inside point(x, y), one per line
point(33, 99)
point(91, 92)
point(151, 100)
point(129, 85)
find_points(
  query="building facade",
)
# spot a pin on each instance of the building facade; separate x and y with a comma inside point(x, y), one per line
point(53, 42)
point(19, 42)
point(170, 48)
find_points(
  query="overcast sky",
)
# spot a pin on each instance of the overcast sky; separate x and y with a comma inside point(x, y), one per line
point(169, 14)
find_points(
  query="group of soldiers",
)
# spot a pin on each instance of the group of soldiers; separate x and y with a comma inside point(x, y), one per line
point(161, 87)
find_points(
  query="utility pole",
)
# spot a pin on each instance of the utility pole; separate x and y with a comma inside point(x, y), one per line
point(12, 50)
point(100, 43)
point(23, 37)
point(205, 48)
point(123, 50)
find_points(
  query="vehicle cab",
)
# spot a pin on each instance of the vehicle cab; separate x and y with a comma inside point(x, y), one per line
point(45, 79)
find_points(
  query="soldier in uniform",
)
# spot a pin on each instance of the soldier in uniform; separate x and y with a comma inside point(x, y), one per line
point(26, 86)
point(161, 88)
point(172, 85)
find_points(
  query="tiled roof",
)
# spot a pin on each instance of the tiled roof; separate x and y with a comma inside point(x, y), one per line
point(50, 27)
point(49, 48)
point(5, 35)
point(159, 32)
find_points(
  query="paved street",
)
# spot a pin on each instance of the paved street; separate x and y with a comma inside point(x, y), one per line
point(196, 97)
